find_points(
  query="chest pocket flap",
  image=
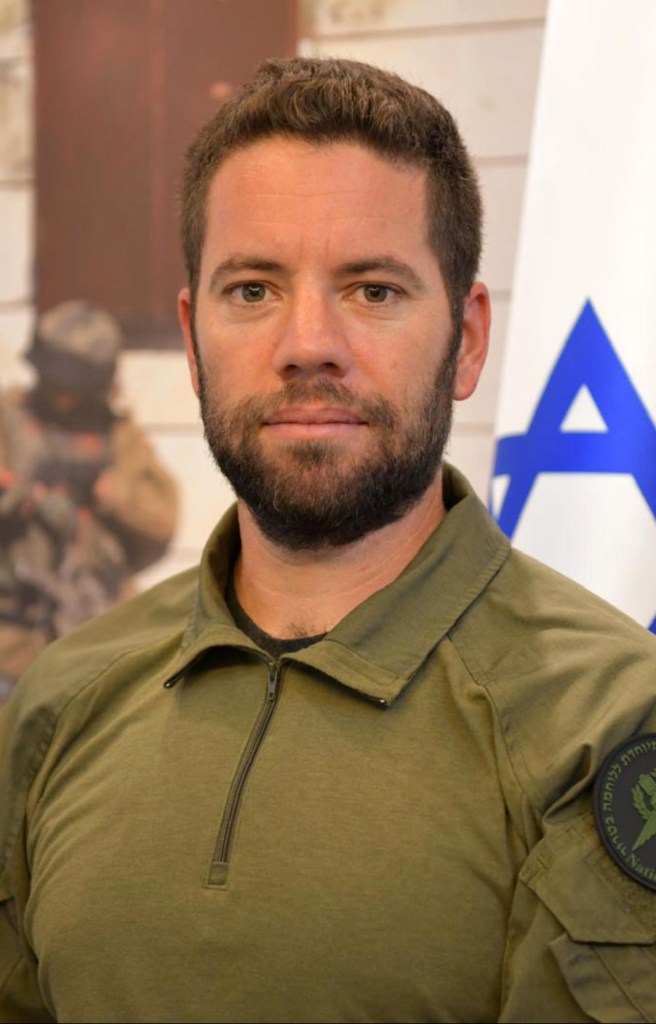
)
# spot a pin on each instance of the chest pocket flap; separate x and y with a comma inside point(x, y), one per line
point(607, 948)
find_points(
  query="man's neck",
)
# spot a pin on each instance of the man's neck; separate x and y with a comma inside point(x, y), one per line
point(302, 593)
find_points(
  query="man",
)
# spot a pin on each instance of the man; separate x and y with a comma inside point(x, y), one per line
point(344, 771)
point(84, 504)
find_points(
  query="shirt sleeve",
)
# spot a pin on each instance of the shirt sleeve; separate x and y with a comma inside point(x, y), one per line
point(136, 497)
point(20, 1000)
point(24, 735)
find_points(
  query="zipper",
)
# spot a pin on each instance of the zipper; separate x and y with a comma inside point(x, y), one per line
point(220, 861)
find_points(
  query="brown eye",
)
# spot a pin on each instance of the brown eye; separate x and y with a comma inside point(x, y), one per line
point(375, 293)
point(252, 292)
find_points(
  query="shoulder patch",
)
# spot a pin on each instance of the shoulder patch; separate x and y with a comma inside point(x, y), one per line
point(625, 807)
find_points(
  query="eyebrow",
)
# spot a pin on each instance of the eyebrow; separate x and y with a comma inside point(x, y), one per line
point(237, 264)
point(389, 265)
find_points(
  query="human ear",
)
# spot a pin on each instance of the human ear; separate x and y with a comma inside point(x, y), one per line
point(184, 316)
point(474, 341)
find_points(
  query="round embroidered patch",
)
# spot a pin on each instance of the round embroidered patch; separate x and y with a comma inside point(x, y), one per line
point(625, 807)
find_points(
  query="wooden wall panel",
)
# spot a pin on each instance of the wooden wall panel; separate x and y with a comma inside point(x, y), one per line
point(121, 86)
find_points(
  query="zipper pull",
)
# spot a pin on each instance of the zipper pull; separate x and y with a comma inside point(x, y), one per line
point(273, 678)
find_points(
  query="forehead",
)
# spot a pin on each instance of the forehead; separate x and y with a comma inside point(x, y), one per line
point(326, 173)
point(342, 188)
point(276, 151)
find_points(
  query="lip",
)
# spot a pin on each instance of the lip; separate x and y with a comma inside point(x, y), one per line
point(314, 423)
point(313, 416)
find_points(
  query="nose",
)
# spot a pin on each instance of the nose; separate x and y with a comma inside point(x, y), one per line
point(312, 339)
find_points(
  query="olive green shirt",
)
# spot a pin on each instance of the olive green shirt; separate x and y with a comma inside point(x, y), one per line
point(393, 824)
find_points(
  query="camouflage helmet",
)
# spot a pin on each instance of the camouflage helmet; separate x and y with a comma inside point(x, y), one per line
point(76, 347)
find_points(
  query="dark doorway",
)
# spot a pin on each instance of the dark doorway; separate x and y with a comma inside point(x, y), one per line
point(121, 87)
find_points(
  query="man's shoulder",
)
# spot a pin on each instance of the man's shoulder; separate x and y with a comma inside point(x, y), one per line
point(146, 629)
point(81, 678)
point(529, 610)
point(569, 676)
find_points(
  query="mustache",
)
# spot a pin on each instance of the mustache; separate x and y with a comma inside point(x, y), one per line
point(375, 410)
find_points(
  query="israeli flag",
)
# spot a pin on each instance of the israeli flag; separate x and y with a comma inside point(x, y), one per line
point(574, 480)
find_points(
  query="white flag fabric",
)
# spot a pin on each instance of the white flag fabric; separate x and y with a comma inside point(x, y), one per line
point(574, 480)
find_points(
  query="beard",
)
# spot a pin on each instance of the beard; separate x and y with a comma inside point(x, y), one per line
point(315, 495)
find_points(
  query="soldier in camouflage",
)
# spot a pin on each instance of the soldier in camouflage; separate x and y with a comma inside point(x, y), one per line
point(84, 504)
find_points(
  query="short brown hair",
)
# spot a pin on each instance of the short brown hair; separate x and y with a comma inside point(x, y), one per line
point(330, 100)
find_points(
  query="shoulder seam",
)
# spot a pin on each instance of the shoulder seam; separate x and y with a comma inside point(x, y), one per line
point(483, 681)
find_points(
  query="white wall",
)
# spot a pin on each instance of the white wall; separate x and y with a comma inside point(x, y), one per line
point(481, 57)
point(16, 189)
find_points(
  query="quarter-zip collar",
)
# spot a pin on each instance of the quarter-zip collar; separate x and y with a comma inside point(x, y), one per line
point(377, 648)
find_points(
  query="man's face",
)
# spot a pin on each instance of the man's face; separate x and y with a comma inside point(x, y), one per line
point(324, 354)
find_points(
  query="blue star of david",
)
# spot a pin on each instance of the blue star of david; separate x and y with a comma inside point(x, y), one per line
point(588, 359)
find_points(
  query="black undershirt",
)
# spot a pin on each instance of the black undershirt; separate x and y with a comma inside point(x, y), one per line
point(275, 646)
